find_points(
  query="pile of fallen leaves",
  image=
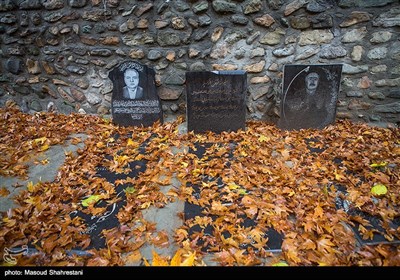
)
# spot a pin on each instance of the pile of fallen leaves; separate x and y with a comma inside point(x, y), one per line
point(268, 175)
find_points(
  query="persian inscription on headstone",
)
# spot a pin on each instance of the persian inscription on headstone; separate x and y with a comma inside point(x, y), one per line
point(310, 93)
point(216, 101)
point(135, 101)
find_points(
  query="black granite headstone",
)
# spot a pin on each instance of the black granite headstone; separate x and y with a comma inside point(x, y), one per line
point(216, 100)
point(95, 224)
point(310, 93)
point(192, 210)
point(108, 220)
point(135, 101)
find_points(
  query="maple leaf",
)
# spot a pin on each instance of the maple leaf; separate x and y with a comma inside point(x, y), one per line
point(4, 191)
point(293, 256)
point(225, 258)
point(308, 225)
point(181, 234)
point(133, 258)
point(318, 212)
point(181, 258)
point(90, 200)
point(31, 187)
point(130, 190)
point(251, 211)
point(161, 240)
point(263, 138)
point(98, 261)
point(308, 245)
point(339, 176)
point(325, 245)
point(50, 243)
point(203, 222)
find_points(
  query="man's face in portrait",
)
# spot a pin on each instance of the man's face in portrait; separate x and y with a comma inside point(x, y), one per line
point(312, 81)
point(131, 77)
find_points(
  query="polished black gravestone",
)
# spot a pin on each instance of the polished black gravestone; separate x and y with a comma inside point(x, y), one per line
point(95, 224)
point(135, 101)
point(191, 210)
point(373, 223)
point(216, 101)
point(310, 94)
point(108, 220)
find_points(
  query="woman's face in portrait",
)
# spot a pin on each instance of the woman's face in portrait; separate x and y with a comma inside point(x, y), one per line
point(131, 78)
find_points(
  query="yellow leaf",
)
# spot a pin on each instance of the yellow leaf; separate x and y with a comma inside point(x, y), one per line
point(163, 139)
point(44, 148)
point(338, 176)
point(380, 164)
point(40, 140)
point(100, 145)
point(130, 142)
point(196, 172)
point(130, 190)
point(9, 222)
point(379, 189)
point(145, 205)
point(242, 191)
point(190, 260)
point(233, 186)
point(177, 258)
point(158, 261)
point(90, 200)
point(263, 138)
point(184, 164)
point(280, 263)
point(121, 159)
point(146, 263)
point(31, 187)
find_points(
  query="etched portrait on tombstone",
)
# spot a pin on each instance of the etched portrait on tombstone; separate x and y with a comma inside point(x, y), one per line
point(135, 101)
point(132, 90)
point(310, 94)
point(216, 100)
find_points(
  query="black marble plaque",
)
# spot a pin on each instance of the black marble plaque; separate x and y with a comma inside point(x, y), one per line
point(309, 96)
point(135, 101)
point(216, 100)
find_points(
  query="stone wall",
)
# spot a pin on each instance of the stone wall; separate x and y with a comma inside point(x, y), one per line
point(56, 54)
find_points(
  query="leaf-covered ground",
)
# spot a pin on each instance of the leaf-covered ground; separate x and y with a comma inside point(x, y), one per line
point(287, 180)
